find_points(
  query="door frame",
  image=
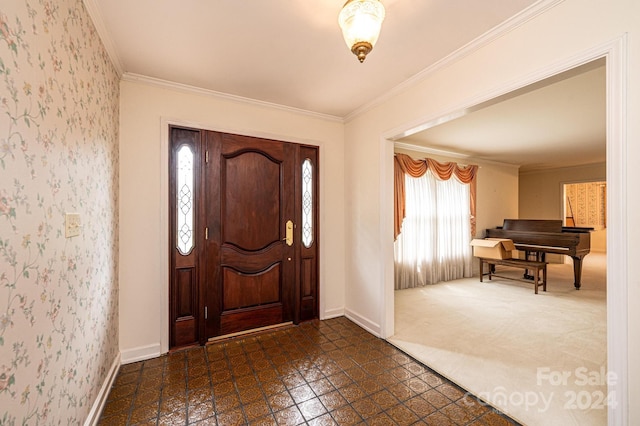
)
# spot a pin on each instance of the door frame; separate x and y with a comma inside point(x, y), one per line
point(164, 264)
point(616, 53)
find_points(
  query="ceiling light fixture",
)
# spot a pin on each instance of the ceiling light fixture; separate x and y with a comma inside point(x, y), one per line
point(360, 21)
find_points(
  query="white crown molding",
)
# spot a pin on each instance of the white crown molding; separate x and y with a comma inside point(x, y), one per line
point(152, 81)
point(452, 154)
point(552, 169)
point(96, 16)
point(498, 31)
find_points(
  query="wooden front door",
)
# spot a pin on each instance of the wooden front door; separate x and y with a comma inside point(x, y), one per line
point(250, 273)
point(252, 265)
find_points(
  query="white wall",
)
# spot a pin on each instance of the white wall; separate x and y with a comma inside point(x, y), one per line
point(547, 43)
point(497, 196)
point(542, 194)
point(146, 109)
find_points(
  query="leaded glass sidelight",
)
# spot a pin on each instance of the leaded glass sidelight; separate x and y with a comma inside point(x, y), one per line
point(307, 203)
point(184, 199)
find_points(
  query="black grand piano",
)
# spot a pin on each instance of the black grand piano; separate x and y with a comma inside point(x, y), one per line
point(547, 236)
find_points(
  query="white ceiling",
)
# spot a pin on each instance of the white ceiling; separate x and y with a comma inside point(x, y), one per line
point(291, 53)
point(557, 122)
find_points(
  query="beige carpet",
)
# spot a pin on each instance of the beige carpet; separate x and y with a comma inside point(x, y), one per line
point(538, 358)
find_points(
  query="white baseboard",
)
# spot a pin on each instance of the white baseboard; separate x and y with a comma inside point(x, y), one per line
point(101, 399)
point(332, 313)
point(141, 353)
point(371, 327)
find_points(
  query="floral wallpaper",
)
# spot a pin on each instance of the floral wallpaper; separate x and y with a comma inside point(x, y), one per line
point(586, 204)
point(59, 97)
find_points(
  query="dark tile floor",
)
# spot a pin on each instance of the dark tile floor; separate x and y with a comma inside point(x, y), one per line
point(319, 373)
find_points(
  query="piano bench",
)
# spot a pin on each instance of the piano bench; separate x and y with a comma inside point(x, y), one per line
point(535, 266)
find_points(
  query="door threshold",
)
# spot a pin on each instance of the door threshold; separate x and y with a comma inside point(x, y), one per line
point(252, 331)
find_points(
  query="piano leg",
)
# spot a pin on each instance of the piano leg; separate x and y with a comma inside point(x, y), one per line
point(538, 256)
point(577, 271)
point(527, 275)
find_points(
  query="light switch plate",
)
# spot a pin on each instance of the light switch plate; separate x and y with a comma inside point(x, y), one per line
point(71, 225)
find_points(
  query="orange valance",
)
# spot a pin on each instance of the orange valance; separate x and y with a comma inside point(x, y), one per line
point(416, 168)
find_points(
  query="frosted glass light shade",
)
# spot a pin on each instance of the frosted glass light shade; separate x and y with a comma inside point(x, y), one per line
point(360, 21)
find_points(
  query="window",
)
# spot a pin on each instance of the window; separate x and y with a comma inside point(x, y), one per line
point(307, 203)
point(184, 201)
point(436, 232)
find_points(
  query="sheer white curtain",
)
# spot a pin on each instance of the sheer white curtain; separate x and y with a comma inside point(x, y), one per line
point(434, 243)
